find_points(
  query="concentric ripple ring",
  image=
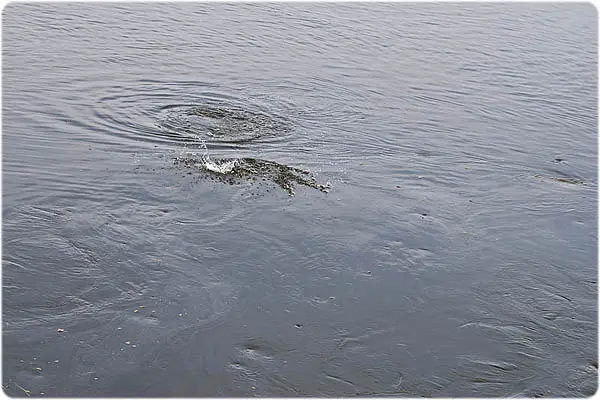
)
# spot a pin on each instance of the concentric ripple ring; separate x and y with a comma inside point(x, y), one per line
point(215, 122)
point(174, 114)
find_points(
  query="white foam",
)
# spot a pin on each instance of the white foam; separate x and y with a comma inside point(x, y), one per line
point(221, 167)
point(224, 167)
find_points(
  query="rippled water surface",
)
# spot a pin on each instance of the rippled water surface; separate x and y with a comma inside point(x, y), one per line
point(299, 199)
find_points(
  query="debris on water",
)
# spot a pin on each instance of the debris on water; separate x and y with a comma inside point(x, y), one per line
point(572, 181)
point(299, 326)
point(60, 330)
point(234, 171)
point(569, 180)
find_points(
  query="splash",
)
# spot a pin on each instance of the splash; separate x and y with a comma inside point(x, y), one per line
point(239, 170)
point(224, 167)
point(203, 161)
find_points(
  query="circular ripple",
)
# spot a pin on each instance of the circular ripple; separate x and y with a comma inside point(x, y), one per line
point(180, 113)
point(215, 121)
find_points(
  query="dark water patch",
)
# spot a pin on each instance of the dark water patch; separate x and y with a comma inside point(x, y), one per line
point(238, 170)
point(220, 122)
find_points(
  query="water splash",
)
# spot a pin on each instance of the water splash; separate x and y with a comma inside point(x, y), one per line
point(238, 170)
point(203, 161)
point(224, 167)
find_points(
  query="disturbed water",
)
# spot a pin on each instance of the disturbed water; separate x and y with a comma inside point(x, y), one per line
point(299, 199)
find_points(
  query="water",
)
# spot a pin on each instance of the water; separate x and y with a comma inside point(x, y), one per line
point(452, 254)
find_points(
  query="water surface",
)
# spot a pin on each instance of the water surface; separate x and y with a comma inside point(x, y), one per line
point(454, 250)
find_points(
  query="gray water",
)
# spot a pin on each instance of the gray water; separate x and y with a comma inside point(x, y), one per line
point(453, 254)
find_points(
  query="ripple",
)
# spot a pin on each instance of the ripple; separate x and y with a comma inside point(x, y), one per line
point(185, 112)
point(214, 122)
